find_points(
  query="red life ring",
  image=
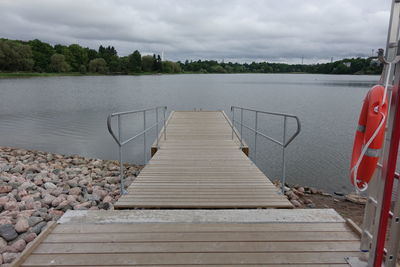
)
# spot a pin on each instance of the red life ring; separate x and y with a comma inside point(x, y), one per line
point(372, 114)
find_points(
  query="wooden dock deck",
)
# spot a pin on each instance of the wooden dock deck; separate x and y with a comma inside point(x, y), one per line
point(200, 166)
point(266, 237)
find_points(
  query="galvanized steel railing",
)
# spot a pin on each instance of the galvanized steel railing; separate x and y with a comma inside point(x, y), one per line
point(285, 142)
point(121, 143)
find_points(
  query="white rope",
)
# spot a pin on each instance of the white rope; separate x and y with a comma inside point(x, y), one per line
point(354, 170)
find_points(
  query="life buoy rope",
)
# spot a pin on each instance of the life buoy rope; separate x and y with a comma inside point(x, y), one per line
point(362, 184)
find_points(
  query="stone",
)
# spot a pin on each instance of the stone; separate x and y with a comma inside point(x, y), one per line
point(3, 243)
point(49, 185)
point(57, 192)
point(311, 205)
point(341, 194)
point(56, 213)
point(8, 257)
point(295, 203)
point(38, 228)
point(75, 191)
point(57, 201)
point(326, 194)
point(34, 205)
point(4, 200)
point(83, 206)
point(11, 205)
point(99, 193)
point(105, 205)
point(7, 231)
point(307, 201)
point(301, 189)
point(27, 186)
point(47, 199)
point(313, 190)
point(112, 180)
point(19, 245)
point(1, 259)
point(108, 199)
point(32, 221)
point(29, 237)
point(356, 199)
point(22, 225)
point(291, 195)
point(5, 189)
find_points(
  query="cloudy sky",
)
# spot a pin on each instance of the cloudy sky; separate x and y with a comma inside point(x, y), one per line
point(230, 30)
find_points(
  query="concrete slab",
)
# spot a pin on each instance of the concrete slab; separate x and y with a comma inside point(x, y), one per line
point(202, 216)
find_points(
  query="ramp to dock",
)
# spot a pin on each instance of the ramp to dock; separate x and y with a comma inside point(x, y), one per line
point(194, 238)
point(199, 165)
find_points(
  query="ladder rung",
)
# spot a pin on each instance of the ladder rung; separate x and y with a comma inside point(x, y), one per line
point(368, 234)
point(373, 200)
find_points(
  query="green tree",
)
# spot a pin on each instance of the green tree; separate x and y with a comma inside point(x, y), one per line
point(98, 65)
point(135, 61)
point(147, 63)
point(58, 63)
point(77, 56)
point(42, 53)
point(15, 56)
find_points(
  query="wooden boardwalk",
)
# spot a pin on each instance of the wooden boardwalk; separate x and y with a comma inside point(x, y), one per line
point(151, 238)
point(200, 166)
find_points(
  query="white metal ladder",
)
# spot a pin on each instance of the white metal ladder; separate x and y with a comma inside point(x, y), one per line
point(377, 223)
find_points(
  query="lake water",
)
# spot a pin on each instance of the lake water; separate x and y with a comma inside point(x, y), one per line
point(68, 115)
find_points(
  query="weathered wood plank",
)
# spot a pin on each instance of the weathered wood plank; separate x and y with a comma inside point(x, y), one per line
point(190, 258)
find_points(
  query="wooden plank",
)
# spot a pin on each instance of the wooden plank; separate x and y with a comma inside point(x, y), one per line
point(196, 247)
point(190, 258)
point(201, 227)
point(202, 237)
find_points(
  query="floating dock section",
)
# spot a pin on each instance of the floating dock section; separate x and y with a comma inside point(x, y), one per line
point(199, 165)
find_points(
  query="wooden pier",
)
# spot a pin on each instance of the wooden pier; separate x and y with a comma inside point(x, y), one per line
point(267, 237)
point(200, 166)
point(200, 201)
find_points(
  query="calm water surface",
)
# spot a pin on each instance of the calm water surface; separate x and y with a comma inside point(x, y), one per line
point(68, 115)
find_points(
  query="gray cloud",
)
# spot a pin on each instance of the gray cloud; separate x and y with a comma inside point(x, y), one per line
point(236, 30)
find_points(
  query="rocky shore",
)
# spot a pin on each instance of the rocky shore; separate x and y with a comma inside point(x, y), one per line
point(38, 187)
point(349, 206)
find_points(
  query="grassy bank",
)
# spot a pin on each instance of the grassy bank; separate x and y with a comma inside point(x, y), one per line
point(36, 74)
point(46, 74)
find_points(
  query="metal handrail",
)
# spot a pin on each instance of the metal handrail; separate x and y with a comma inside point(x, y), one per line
point(283, 144)
point(121, 143)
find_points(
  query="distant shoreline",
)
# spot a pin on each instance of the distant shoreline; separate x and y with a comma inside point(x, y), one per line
point(6, 75)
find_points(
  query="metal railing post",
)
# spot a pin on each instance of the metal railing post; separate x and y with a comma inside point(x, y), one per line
point(121, 165)
point(241, 127)
point(157, 126)
point(233, 119)
point(283, 156)
point(144, 137)
point(165, 128)
point(255, 138)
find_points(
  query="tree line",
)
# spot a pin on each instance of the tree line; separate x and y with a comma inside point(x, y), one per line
point(38, 56)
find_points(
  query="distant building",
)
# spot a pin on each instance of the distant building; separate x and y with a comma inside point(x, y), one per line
point(347, 64)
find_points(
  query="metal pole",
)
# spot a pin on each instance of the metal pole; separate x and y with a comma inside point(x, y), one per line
point(255, 138)
point(283, 156)
point(157, 125)
point(144, 137)
point(241, 127)
point(233, 119)
point(165, 128)
point(121, 165)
